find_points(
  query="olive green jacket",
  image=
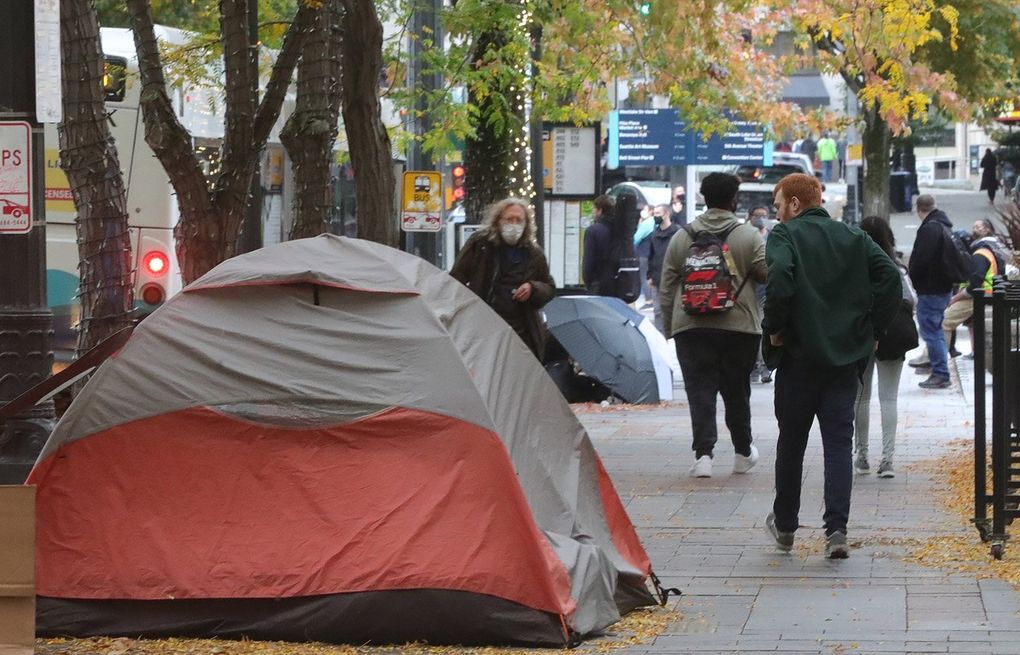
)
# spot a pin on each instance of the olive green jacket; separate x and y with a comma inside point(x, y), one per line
point(748, 248)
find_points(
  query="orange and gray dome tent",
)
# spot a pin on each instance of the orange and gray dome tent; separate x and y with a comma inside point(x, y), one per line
point(329, 440)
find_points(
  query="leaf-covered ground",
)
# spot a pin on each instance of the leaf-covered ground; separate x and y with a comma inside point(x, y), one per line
point(953, 474)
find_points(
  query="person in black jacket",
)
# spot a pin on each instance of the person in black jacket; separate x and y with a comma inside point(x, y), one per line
point(658, 241)
point(677, 214)
point(596, 269)
point(989, 174)
point(933, 285)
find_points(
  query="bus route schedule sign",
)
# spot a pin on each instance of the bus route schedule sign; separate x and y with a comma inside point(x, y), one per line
point(15, 178)
point(661, 137)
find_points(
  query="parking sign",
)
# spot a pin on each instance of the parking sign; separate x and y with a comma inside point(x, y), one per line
point(15, 178)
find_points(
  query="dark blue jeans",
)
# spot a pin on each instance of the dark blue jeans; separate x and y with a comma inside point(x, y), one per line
point(931, 309)
point(804, 392)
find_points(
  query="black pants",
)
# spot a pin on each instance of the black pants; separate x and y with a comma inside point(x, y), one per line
point(718, 362)
point(802, 393)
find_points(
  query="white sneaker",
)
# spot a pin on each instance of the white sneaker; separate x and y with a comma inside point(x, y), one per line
point(702, 467)
point(743, 464)
point(921, 360)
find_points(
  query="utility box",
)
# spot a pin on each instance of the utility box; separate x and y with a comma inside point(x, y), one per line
point(17, 570)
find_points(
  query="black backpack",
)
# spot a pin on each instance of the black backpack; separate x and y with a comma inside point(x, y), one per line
point(626, 270)
point(956, 260)
point(707, 285)
point(901, 335)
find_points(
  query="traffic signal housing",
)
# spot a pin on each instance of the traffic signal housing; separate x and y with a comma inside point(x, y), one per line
point(458, 174)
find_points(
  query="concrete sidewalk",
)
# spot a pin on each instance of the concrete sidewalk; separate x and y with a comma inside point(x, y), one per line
point(706, 536)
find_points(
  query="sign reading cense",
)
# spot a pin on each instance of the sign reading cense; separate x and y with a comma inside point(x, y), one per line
point(421, 203)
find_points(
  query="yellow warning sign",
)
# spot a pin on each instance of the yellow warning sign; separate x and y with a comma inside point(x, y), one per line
point(421, 202)
point(855, 154)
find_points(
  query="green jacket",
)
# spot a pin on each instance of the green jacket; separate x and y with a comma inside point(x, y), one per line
point(827, 150)
point(831, 291)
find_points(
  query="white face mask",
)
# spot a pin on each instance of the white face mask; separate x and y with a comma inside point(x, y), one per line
point(511, 232)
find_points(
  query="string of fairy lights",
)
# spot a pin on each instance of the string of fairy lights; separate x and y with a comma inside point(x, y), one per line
point(521, 184)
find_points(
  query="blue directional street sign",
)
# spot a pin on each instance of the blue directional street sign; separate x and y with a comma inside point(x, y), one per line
point(647, 137)
point(659, 137)
point(743, 144)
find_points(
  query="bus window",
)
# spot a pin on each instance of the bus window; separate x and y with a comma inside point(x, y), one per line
point(114, 78)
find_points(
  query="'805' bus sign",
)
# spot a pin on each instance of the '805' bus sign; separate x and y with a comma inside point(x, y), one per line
point(15, 178)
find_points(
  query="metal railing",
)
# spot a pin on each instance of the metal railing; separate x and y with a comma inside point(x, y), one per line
point(996, 322)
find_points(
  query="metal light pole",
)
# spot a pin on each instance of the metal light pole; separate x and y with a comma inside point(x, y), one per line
point(424, 25)
point(853, 176)
point(26, 322)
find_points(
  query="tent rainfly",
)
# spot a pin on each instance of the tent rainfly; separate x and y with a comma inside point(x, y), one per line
point(332, 440)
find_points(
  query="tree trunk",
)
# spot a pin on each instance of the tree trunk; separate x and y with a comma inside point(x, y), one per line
point(89, 158)
point(369, 143)
point(211, 218)
point(876, 141)
point(241, 151)
point(496, 166)
point(311, 130)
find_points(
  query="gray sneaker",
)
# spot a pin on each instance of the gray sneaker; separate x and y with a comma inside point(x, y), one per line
point(784, 540)
point(936, 382)
point(861, 465)
point(885, 470)
point(920, 360)
point(835, 546)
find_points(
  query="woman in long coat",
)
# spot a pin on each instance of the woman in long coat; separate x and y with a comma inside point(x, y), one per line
point(504, 266)
point(989, 177)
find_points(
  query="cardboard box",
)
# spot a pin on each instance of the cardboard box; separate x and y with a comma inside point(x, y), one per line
point(17, 570)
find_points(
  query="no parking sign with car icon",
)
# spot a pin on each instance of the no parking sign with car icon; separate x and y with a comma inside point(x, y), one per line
point(15, 178)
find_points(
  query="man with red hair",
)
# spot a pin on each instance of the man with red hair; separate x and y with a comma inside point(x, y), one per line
point(831, 293)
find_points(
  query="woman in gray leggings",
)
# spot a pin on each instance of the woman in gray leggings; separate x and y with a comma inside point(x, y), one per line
point(888, 371)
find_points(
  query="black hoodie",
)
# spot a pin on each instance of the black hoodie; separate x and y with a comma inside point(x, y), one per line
point(927, 270)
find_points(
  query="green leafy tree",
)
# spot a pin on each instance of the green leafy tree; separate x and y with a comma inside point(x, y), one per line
point(986, 61)
point(875, 45)
point(705, 59)
point(493, 48)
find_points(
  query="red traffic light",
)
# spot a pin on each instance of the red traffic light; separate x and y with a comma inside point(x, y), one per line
point(156, 263)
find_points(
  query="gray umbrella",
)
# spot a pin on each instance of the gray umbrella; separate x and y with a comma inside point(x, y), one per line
point(600, 333)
